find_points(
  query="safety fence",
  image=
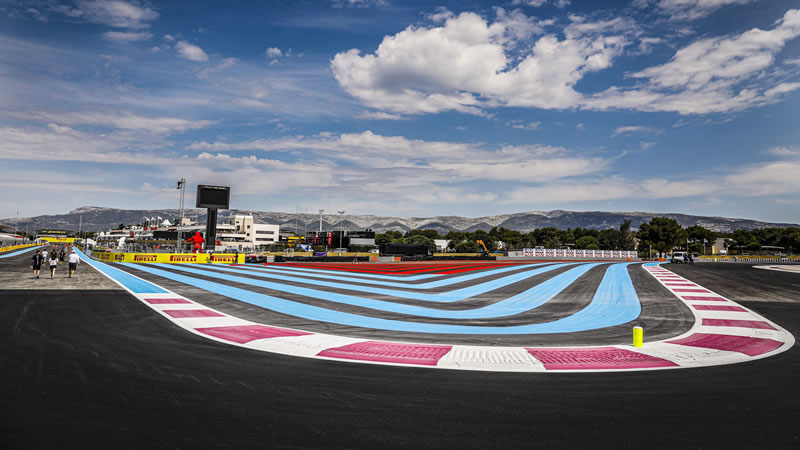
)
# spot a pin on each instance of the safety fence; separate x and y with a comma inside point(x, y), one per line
point(572, 253)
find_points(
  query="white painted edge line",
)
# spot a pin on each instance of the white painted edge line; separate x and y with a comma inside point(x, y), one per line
point(780, 268)
point(487, 358)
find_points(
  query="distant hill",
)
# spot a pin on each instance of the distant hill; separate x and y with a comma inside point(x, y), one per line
point(97, 218)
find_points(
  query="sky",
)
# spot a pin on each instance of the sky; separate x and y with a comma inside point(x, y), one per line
point(403, 108)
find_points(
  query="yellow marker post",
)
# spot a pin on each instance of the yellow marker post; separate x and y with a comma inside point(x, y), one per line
point(638, 336)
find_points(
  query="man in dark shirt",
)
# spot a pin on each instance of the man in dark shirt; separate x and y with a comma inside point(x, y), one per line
point(37, 263)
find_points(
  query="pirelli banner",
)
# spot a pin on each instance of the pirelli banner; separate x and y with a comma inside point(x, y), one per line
point(171, 258)
point(573, 253)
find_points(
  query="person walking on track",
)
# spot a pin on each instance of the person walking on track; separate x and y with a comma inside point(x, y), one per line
point(38, 259)
point(53, 264)
point(74, 260)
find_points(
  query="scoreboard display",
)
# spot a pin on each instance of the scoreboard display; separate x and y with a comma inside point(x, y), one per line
point(213, 197)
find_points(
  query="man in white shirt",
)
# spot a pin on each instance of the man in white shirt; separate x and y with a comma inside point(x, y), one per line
point(74, 260)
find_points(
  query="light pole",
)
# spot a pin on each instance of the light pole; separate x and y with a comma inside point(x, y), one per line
point(341, 231)
point(320, 229)
point(16, 224)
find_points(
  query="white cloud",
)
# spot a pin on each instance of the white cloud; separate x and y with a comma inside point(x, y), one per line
point(419, 159)
point(127, 36)
point(709, 75)
point(379, 115)
point(465, 65)
point(524, 126)
point(114, 13)
point(273, 52)
point(116, 119)
point(782, 88)
point(251, 103)
point(783, 151)
point(695, 9)
point(540, 3)
point(632, 129)
point(191, 52)
point(359, 3)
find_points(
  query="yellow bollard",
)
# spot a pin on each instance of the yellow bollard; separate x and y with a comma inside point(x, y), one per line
point(638, 336)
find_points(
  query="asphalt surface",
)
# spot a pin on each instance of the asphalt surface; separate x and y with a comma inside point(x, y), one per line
point(100, 369)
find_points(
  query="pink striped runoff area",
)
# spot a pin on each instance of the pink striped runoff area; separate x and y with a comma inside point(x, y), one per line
point(750, 346)
point(595, 358)
point(189, 313)
point(709, 298)
point(243, 334)
point(718, 308)
point(389, 352)
point(166, 301)
point(738, 323)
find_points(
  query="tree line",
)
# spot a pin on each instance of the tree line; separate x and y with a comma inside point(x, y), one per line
point(661, 234)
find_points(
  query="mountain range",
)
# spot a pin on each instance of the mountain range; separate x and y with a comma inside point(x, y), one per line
point(92, 218)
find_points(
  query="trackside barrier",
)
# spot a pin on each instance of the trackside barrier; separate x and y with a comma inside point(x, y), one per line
point(17, 247)
point(171, 258)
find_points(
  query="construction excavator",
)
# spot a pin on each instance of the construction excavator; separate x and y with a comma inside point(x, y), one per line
point(484, 250)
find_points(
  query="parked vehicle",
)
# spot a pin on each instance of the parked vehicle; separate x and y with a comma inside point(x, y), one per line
point(679, 257)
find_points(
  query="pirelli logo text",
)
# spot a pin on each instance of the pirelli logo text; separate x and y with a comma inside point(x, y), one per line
point(223, 259)
point(183, 258)
point(145, 258)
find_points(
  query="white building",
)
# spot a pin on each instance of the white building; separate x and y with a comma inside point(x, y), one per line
point(243, 232)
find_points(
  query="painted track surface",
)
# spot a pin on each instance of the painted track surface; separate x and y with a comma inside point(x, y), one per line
point(99, 369)
point(467, 296)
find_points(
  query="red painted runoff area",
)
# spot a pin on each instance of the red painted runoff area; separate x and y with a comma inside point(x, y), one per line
point(376, 351)
point(750, 346)
point(245, 333)
point(596, 358)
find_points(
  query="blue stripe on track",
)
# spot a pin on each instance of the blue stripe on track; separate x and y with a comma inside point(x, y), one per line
point(422, 286)
point(615, 291)
point(524, 301)
point(444, 297)
point(135, 284)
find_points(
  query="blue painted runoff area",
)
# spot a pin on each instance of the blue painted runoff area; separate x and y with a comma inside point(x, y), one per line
point(18, 252)
point(422, 286)
point(524, 301)
point(133, 283)
point(615, 292)
point(444, 297)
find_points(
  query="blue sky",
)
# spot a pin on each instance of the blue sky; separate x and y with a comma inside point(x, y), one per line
point(403, 108)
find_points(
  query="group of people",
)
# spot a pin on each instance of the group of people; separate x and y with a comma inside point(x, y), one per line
point(53, 257)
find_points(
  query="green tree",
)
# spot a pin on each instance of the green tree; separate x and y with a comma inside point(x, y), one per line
point(588, 243)
point(663, 234)
point(420, 239)
point(467, 247)
point(700, 236)
point(745, 239)
point(428, 233)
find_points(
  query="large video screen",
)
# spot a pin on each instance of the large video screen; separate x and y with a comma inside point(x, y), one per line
point(215, 197)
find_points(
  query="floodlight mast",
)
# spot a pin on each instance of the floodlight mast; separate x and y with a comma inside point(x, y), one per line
point(182, 187)
point(341, 231)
